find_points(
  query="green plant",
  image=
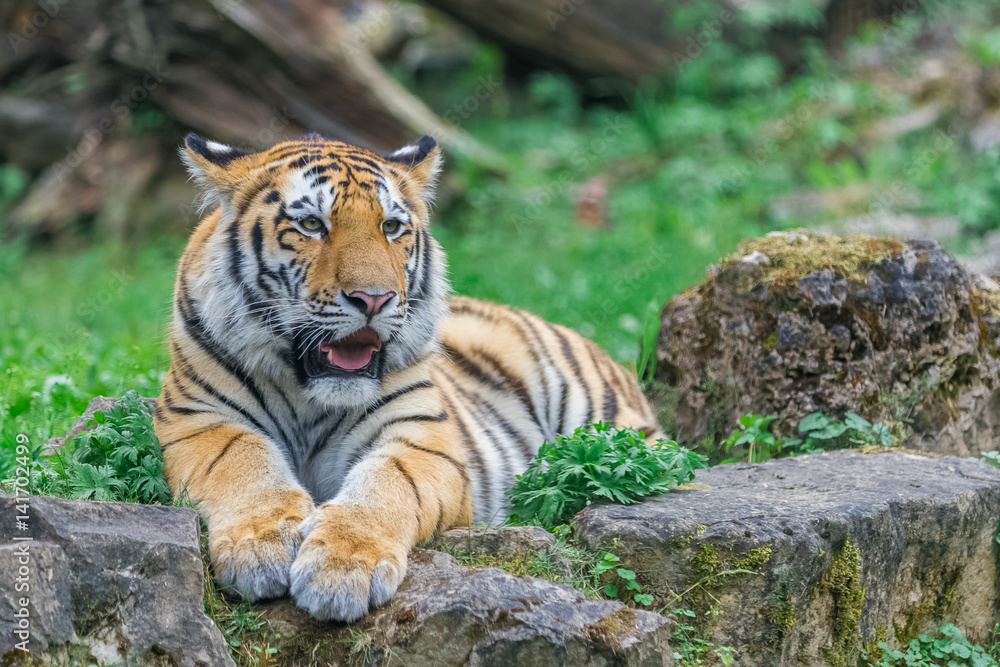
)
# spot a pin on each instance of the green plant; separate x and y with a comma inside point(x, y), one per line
point(753, 434)
point(818, 433)
point(991, 458)
point(951, 649)
point(362, 646)
point(821, 433)
point(119, 459)
point(597, 464)
point(610, 562)
point(690, 648)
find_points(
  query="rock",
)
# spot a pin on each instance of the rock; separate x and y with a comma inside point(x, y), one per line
point(846, 550)
point(97, 404)
point(124, 583)
point(502, 541)
point(107, 583)
point(756, 257)
point(896, 332)
point(516, 545)
point(445, 614)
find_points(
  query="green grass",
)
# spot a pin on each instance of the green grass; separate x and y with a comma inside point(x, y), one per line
point(76, 325)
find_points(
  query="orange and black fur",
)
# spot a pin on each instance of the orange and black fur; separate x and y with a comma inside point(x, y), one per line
point(327, 405)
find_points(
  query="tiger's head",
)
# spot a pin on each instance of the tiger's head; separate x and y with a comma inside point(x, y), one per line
point(322, 261)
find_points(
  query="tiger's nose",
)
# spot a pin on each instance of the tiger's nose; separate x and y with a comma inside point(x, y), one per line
point(369, 304)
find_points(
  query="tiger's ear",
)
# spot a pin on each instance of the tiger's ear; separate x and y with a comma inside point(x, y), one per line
point(422, 160)
point(215, 167)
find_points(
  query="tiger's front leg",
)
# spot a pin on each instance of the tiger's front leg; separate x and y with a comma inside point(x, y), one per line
point(248, 496)
point(410, 486)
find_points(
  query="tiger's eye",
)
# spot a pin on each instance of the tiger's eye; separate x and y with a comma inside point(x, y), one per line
point(311, 224)
point(390, 227)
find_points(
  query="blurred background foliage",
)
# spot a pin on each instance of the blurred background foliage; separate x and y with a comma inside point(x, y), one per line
point(600, 156)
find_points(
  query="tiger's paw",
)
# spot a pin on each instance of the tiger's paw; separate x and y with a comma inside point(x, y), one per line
point(253, 552)
point(348, 564)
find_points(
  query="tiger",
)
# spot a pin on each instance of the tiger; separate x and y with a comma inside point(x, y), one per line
point(329, 404)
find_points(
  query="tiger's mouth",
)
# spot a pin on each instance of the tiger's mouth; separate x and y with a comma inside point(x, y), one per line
point(357, 354)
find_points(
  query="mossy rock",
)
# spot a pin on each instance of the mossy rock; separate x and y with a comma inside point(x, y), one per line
point(445, 614)
point(808, 560)
point(796, 323)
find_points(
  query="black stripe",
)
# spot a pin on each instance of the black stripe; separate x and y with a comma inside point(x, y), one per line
point(320, 444)
point(250, 195)
point(188, 371)
point(438, 527)
point(610, 405)
point(409, 478)
point(492, 438)
point(194, 327)
point(508, 378)
point(184, 392)
point(469, 444)
point(373, 441)
point(609, 409)
point(530, 344)
point(450, 459)
point(225, 448)
point(563, 403)
point(185, 411)
point(575, 365)
point(380, 403)
point(488, 409)
point(202, 431)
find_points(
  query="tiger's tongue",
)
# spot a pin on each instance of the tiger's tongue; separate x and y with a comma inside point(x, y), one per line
point(350, 357)
point(354, 352)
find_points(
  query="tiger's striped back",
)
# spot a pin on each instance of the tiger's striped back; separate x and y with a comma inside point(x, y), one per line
point(516, 381)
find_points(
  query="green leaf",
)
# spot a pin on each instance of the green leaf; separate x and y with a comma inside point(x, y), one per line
point(611, 591)
point(829, 432)
point(644, 599)
point(813, 422)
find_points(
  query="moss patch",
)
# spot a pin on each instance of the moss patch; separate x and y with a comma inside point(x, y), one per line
point(872, 652)
point(709, 563)
point(782, 615)
point(843, 582)
point(794, 254)
point(614, 629)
